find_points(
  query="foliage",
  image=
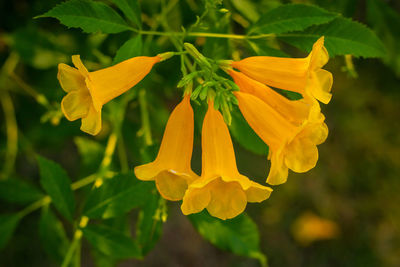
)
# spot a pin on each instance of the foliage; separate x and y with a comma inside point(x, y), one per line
point(87, 192)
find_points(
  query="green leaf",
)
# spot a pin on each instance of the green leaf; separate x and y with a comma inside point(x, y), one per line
point(8, 223)
point(91, 152)
point(342, 36)
point(131, 10)
point(40, 49)
point(238, 235)
point(292, 17)
point(15, 190)
point(262, 48)
point(52, 235)
point(149, 226)
point(247, 8)
point(57, 185)
point(117, 196)
point(110, 242)
point(245, 136)
point(90, 16)
point(131, 48)
point(385, 21)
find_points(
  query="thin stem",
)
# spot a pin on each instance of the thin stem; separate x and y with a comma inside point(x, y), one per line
point(109, 152)
point(40, 98)
point(123, 159)
point(74, 245)
point(34, 206)
point(12, 134)
point(77, 258)
point(207, 34)
point(85, 181)
point(146, 129)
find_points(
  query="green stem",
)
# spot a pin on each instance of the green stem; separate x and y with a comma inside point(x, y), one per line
point(146, 129)
point(74, 245)
point(34, 206)
point(123, 159)
point(40, 98)
point(12, 134)
point(207, 34)
point(77, 259)
point(109, 152)
point(85, 181)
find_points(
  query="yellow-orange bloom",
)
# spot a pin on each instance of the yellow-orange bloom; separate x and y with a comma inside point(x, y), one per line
point(222, 190)
point(89, 91)
point(171, 169)
point(309, 228)
point(302, 75)
point(297, 112)
point(291, 146)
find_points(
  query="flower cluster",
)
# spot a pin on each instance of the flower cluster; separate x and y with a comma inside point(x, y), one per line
point(291, 128)
point(87, 92)
point(221, 189)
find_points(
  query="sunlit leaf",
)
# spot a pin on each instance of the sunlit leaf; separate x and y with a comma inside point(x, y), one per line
point(131, 10)
point(111, 242)
point(292, 17)
point(90, 16)
point(131, 48)
point(57, 185)
point(117, 196)
point(342, 36)
point(238, 235)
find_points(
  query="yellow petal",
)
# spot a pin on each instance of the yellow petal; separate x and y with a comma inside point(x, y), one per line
point(221, 188)
point(285, 73)
point(319, 55)
point(294, 111)
point(91, 124)
point(269, 125)
point(227, 199)
point(172, 186)
point(148, 172)
point(278, 172)
point(76, 59)
point(301, 155)
point(302, 75)
point(218, 156)
point(76, 104)
point(177, 144)
point(315, 132)
point(70, 78)
point(195, 200)
point(108, 83)
point(257, 192)
point(172, 168)
point(319, 85)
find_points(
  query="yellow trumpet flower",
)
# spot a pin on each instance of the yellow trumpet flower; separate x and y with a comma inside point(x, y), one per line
point(87, 92)
point(302, 75)
point(221, 189)
point(291, 146)
point(171, 169)
point(297, 112)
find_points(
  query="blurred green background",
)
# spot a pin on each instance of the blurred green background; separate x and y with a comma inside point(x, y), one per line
point(352, 194)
